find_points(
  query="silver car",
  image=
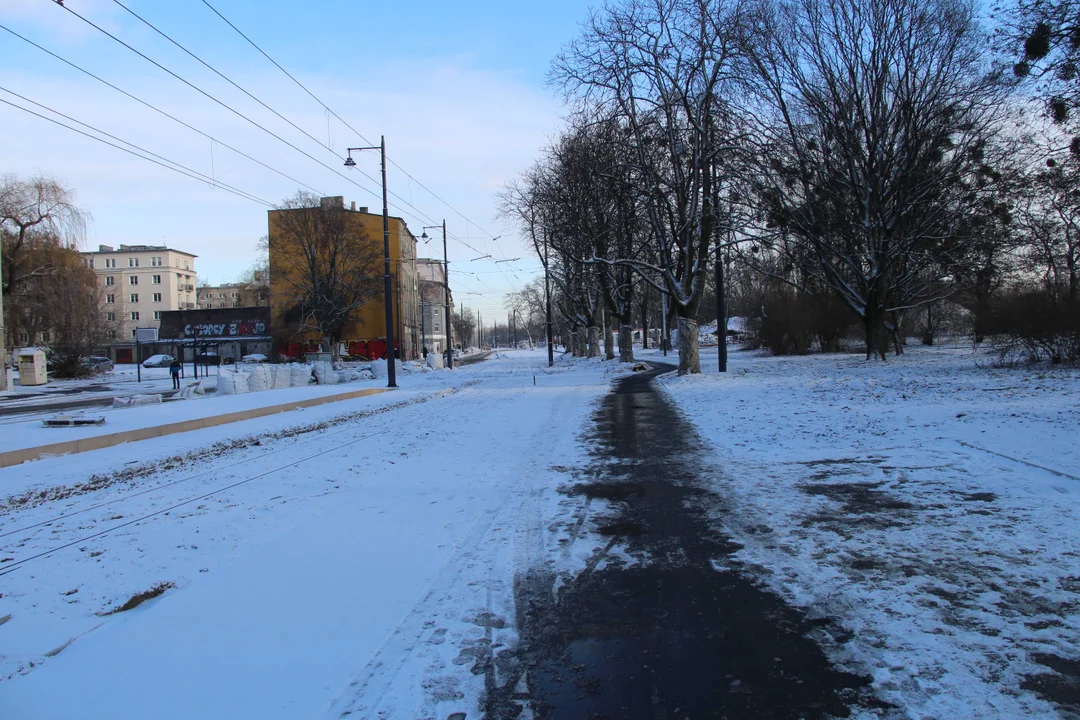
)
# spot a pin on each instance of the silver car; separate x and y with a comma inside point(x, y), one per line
point(97, 363)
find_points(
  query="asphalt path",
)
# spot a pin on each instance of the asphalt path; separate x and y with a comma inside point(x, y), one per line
point(683, 632)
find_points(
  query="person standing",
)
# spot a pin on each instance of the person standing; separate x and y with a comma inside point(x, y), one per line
point(174, 370)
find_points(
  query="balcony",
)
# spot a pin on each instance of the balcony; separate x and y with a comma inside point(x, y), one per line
point(188, 288)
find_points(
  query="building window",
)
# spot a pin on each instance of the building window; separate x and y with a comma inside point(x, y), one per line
point(109, 280)
point(133, 297)
point(157, 314)
point(236, 294)
point(110, 316)
point(157, 297)
point(221, 294)
point(133, 262)
point(110, 298)
point(133, 280)
point(155, 261)
point(90, 262)
point(156, 279)
point(110, 262)
point(134, 316)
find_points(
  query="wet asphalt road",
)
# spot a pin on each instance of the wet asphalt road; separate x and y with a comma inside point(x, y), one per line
point(682, 633)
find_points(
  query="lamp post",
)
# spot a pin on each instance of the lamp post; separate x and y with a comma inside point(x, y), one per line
point(3, 335)
point(388, 296)
point(547, 302)
point(446, 294)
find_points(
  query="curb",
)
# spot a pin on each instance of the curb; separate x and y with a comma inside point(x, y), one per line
point(97, 442)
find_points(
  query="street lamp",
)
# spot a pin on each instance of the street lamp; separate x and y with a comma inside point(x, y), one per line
point(388, 299)
point(446, 293)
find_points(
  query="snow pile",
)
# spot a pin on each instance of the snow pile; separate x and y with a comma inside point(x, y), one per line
point(136, 401)
point(435, 361)
point(190, 391)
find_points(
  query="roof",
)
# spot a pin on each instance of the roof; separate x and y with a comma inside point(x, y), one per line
point(105, 249)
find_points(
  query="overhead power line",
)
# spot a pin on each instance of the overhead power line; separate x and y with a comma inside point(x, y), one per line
point(275, 63)
point(204, 176)
point(177, 168)
point(216, 100)
point(418, 212)
point(339, 118)
point(158, 110)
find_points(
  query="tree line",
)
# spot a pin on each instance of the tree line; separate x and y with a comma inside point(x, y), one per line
point(819, 163)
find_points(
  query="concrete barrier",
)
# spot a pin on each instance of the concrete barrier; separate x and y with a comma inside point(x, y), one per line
point(97, 442)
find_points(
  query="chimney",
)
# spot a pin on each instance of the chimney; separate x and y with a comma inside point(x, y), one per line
point(352, 206)
point(104, 248)
point(362, 209)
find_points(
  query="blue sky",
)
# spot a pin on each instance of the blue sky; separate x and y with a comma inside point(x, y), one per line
point(457, 88)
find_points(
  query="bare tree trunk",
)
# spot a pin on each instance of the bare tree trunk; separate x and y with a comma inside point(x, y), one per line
point(609, 340)
point(645, 318)
point(626, 342)
point(580, 342)
point(689, 356)
point(593, 342)
point(929, 330)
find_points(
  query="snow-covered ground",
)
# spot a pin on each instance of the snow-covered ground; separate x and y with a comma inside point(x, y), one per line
point(930, 504)
point(358, 559)
point(343, 559)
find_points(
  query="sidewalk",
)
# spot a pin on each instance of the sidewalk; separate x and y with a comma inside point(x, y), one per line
point(29, 440)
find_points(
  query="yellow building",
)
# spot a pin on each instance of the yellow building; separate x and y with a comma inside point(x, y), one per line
point(370, 321)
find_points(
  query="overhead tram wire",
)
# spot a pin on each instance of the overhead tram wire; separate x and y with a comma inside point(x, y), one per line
point(176, 169)
point(418, 213)
point(160, 111)
point(339, 118)
point(359, 134)
point(219, 102)
point(202, 175)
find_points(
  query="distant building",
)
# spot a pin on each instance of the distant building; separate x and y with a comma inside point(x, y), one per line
point(433, 304)
point(139, 282)
point(230, 295)
point(366, 334)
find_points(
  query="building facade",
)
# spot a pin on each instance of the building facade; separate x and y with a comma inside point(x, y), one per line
point(433, 328)
point(368, 324)
point(230, 295)
point(139, 282)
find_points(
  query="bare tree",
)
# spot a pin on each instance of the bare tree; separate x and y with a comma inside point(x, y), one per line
point(34, 214)
point(329, 267)
point(464, 324)
point(869, 117)
point(77, 326)
point(668, 68)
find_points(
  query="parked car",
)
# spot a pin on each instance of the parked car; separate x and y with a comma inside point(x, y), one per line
point(97, 363)
point(255, 358)
point(155, 361)
point(209, 358)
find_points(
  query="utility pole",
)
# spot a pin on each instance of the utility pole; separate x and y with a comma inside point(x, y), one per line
point(446, 299)
point(547, 301)
point(721, 313)
point(423, 332)
point(3, 335)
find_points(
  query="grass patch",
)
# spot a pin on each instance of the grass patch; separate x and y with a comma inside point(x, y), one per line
point(139, 598)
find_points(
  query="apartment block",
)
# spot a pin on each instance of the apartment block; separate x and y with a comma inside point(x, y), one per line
point(139, 282)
